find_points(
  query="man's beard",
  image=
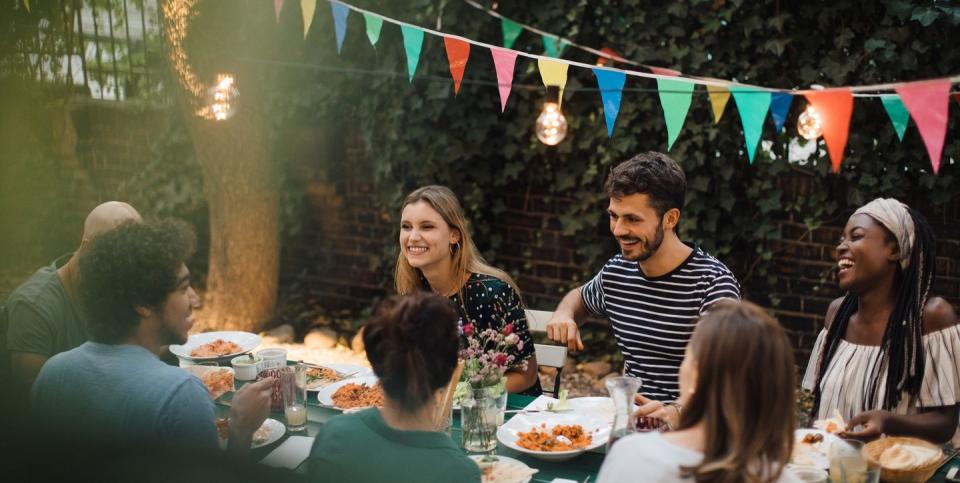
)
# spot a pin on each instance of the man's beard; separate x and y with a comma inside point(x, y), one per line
point(648, 249)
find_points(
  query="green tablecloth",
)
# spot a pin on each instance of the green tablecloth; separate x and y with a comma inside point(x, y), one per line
point(577, 469)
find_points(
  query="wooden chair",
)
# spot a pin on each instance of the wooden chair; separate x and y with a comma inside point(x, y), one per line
point(547, 355)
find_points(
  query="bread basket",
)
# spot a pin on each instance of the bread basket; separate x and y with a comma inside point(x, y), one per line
point(920, 473)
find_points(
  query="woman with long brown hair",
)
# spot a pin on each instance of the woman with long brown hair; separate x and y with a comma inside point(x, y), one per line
point(437, 254)
point(734, 420)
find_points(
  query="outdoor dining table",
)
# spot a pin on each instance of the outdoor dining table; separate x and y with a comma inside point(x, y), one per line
point(577, 469)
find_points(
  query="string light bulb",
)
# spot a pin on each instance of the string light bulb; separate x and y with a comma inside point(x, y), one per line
point(809, 125)
point(222, 98)
point(551, 125)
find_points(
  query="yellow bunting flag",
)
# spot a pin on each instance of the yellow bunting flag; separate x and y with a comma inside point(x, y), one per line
point(308, 7)
point(553, 73)
point(26, 3)
point(718, 99)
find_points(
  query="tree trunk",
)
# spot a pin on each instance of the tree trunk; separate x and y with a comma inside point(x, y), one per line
point(239, 178)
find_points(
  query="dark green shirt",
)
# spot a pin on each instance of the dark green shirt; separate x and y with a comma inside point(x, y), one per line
point(40, 317)
point(361, 447)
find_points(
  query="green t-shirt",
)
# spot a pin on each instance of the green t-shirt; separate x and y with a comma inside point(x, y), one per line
point(40, 317)
point(362, 447)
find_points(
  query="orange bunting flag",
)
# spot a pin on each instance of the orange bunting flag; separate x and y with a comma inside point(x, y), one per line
point(718, 101)
point(835, 107)
point(664, 71)
point(928, 103)
point(457, 53)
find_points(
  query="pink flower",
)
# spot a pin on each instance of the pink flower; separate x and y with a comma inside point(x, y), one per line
point(508, 329)
point(468, 330)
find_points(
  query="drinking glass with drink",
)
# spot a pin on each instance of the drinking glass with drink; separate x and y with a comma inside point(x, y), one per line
point(848, 465)
point(293, 389)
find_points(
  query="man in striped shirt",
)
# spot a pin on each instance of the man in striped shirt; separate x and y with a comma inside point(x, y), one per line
point(655, 290)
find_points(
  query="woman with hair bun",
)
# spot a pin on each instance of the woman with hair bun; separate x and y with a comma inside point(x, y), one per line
point(437, 254)
point(412, 344)
point(887, 358)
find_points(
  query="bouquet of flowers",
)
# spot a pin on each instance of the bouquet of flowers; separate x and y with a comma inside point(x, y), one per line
point(488, 354)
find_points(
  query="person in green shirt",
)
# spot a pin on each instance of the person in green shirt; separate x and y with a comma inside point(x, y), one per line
point(412, 344)
point(40, 318)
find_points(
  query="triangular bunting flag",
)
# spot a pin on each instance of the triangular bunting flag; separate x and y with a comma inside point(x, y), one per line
point(611, 92)
point(26, 3)
point(718, 101)
point(374, 25)
point(511, 30)
point(553, 73)
point(340, 13)
point(753, 105)
point(928, 105)
point(550, 46)
point(780, 108)
point(504, 61)
point(834, 106)
point(675, 96)
point(664, 71)
point(277, 6)
point(458, 52)
point(412, 43)
point(897, 112)
point(308, 7)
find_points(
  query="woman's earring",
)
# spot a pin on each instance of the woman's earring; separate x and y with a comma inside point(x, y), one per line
point(454, 248)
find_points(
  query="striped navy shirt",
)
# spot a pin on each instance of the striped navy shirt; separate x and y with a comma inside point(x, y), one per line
point(654, 317)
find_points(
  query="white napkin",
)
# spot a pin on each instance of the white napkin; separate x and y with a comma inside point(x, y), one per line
point(290, 454)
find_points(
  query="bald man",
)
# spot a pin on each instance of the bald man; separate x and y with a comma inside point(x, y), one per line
point(43, 318)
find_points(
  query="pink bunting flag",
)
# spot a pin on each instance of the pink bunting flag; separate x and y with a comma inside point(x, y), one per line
point(458, 52)
point(664, 71)
point(835, 107)
point(928, 103)
point(277, 6)
point(504, 60)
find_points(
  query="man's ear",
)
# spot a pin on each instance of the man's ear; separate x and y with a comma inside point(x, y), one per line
point(671, 218)
point(143, 311)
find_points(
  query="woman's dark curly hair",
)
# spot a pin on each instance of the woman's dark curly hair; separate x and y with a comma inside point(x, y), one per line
point(132, 265)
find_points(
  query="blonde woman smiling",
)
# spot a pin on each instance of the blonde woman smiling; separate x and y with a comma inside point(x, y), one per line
point(437, 254)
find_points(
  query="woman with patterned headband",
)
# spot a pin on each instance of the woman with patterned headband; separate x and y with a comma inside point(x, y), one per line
point(887, 359)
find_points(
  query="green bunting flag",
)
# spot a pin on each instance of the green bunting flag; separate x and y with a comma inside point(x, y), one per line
point(412, 43)
point(897, 112)
point(675, 96)
point(511, 30)
point(374, 25)
point(553, 46)
point(753, 105)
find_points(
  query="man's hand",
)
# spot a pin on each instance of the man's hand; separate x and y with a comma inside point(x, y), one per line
point(564, 330)
point(656, 409)
point(248, 410)
point(873, 422)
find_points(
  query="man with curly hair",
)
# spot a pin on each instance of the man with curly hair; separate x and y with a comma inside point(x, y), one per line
point(41, 317)
point(114, 389)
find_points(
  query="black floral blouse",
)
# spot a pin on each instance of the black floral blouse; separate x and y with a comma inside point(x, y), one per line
point(491, 303)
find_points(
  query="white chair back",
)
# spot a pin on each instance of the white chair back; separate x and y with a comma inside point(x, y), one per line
point(547, 355)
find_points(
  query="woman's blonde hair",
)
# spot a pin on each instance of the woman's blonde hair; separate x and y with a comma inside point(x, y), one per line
point(744, 394)
point(465, 257)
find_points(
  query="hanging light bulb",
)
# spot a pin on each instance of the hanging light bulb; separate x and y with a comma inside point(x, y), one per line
point(809, 124)
point(222, 98)
point(551, 125)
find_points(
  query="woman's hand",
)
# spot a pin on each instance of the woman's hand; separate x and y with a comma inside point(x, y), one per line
point(656, 409)
point(874, 425)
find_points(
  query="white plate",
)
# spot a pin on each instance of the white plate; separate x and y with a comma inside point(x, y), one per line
point(518, 472)
point(600, 407)
point(325, 394)
point(524, 422)
point(200, 371)
point(274, 430)
point(352, 370)
point(815, 455)
point(245, 340)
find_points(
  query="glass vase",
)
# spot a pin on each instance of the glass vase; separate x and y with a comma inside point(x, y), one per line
point(482, 413)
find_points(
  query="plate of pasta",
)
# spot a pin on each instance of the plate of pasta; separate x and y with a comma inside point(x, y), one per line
point(351, 394)
point(554, 437)
point(215, 345)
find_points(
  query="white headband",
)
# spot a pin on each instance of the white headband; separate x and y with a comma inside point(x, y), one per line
point(893, 215)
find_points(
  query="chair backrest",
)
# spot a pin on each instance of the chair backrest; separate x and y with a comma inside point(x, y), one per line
point(547, 355)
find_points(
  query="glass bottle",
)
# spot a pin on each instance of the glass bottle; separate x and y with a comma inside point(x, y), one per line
point(622, 390)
